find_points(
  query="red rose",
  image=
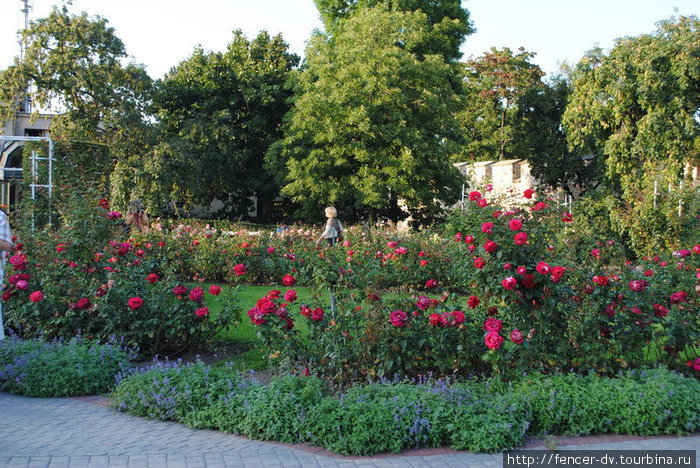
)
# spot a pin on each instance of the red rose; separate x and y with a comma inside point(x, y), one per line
point(521, 270)
point(458, 237)
point(152, 278)
point(493, 340)
point(490, 246)
point(558, 272)
point(482, 202)
point(256, 316)
point(678, 297)
point(458, 317)
point(60, 248)
point(84, 303)
point(543, 268)
point(398, 318)
point(196, 294)
point(473, 302)
point(515, 224)
point(509, 283)
point(516, 336)
point(567, 218)
point(595, 253)
point(493, 325)
point(135, 302)
point(601, 280)
point(290, 296)
point(104, 203)
point(479, 262)
point(179, 290)
point(638, 285)
point(202, 311)
point(528, 193)
point(487, 228)
point(520, 238)
point(696, 248)
point(273, 294)
point(317, 315)
point(431, 283)
point(240, 269)
point(435, 320)
point(214, 290)
point(36, 296)
point(468, 239)
point(475, 195)
point(288, 280)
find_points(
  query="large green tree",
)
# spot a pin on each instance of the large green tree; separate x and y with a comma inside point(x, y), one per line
point(219, 113)
point(638, 109)
point(77, 64)
point(447, 22)
point(542, 139)
point(496, 81)
point(373, 128)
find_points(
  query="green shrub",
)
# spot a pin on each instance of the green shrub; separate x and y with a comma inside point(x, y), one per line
point(57, 369)
point(648, 402)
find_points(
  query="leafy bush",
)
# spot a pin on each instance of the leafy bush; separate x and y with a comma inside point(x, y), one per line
point(486, 416)
point(648, 402)
point(83, 279)
point(58, 369)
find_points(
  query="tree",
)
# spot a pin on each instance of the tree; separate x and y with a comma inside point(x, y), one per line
point(76, 63)
point(496, 81)
point(447, 22)
point(637, 108)
point(542, 139)
point(373, 128)
point(219, 113)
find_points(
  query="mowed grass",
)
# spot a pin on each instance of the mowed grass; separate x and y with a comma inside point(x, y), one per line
point(243, 332)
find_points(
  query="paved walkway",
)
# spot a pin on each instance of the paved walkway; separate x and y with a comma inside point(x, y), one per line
point(83, 433)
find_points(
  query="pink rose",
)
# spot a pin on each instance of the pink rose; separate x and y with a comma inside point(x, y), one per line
point(516, 336)
point(493, 340)
point(202, 312)
point(290, 296)
point(515, 224)
point(487, 227)
point(36, 296)
point(520, 238)
point(493, 325)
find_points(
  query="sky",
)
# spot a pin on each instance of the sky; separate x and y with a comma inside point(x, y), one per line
point(161, 33)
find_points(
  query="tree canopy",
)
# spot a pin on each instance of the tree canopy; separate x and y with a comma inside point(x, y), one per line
point(76, 62)
point(637, 108)
point(217, 115)
point(374, 123)
point(495, 82)
point(446, 21)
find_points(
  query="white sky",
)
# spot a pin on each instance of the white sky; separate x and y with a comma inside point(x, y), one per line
point(161, 33)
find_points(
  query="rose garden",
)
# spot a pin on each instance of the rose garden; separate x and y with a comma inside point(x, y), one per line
point(546, 281)
point(475, 333)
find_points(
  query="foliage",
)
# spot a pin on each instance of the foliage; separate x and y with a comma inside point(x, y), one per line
point(76, 62)
point(390, 416)
point(448, 22)
point(496, 82)
point(636, 108)
point(386, 134)
point(80, 278)
point(219, 113)
point(646, 402)
point(58, 369)
point(542, 139)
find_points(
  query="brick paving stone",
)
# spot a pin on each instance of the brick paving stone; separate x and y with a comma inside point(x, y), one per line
point(59, 462)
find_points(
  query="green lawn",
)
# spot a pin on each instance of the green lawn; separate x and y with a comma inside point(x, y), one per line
point(243, 332)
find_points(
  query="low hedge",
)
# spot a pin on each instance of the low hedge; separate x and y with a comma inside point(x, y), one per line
point(77, 367)
point(485, 416)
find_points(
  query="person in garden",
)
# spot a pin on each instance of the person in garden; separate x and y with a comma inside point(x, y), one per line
point(5, 246)
point(333, 232)
point(136, 217)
